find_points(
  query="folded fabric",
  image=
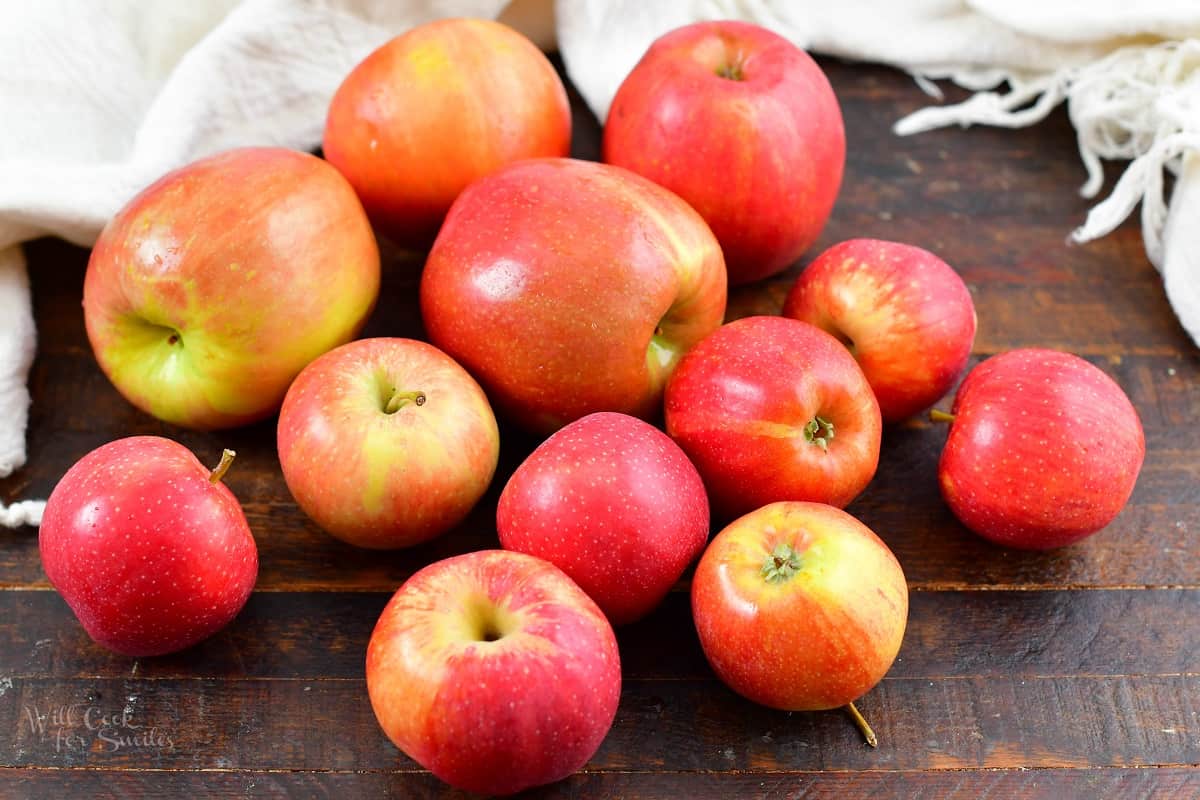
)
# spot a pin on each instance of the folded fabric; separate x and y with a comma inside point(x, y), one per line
point(99, 99)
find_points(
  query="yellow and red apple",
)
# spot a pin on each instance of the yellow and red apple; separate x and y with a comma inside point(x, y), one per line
point(569, 287)
point(210, 291)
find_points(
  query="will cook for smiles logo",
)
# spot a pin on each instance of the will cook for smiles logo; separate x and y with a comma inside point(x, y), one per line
point(81, 727)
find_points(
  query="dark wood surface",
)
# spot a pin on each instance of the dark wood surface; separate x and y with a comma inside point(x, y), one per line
point(1067, 674)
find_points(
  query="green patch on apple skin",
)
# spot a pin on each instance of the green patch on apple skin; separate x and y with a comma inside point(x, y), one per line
point(661, 357)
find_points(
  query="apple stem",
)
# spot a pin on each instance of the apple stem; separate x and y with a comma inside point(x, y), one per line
point(863, 725)
point(400, 399)
point(937, 415)
point(220, 469)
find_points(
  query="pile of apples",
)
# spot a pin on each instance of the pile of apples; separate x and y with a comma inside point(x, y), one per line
point(581, 300)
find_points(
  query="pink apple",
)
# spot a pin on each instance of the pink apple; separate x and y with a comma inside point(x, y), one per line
point(771, 409)
point(744, 126)
point(437, 108)
point(615, 504)
point(568, 287)
point(494, 671)
point(211, 289)
point(1044, 449)
point(387, 442)
point(903, 312)
point(147, 546)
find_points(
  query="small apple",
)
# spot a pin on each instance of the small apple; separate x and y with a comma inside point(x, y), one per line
point(436, 109)
point(799, 606)
point(211, 289)
point(743, 125)
point(615, 504)
point(494, 671)
point(387, 442)
point(1044, 449)
point(568, 287)
point(147, 546)
point(903, 312)
point(770, 409)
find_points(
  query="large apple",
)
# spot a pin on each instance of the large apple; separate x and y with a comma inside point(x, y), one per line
point(799, 606)
point(494, 671)
point(615, 504)
point(744, 126)
point(437, 108)
point(386, 442)
point(903, 312)
point(1044, 449)
point(771, 409)
point(147, 546)
point(568, 287)
point(211, 289)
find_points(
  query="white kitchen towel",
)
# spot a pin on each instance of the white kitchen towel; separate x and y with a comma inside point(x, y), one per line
point(100, 97)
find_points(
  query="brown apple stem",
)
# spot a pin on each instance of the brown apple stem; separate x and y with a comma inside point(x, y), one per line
point(220, 469)
point(863, 725)
point(400, 399)
point(937, 415)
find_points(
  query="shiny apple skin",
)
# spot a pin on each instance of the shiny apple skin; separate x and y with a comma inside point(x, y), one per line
point(494, 717)
point(569, 287)
point(614, 503)
point(821, 638)
point(760, 156)
point(905, 314)
point(437, 108)
point(1044, 450)
point(738, 405)
point(151, 555)
point(210, 291)
point(384, 480)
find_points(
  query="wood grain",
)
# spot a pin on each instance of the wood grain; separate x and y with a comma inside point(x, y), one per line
point(1162, 783)
point(312, 636)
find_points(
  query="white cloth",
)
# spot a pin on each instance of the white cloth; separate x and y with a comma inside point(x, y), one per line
point(100, 97)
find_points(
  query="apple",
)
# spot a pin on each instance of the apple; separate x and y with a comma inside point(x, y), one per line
point(568, 287)
point(386, 442)
point(801, 607)
point(436, 109)
point(771, 409)
point(745, 127)
point(903, 312)
point(147, 546)
point(615, 504)
point(494, 671)
point(215, 286)
point(1044, 449)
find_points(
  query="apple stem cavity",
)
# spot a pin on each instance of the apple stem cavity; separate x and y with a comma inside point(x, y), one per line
point(819, 431)
point(937, 415)
point(781, 563)
point(223, 466)
point(731, 70)
point(399, 400)
point(862, 724)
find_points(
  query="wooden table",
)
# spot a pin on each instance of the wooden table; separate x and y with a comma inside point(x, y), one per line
point(1059, 675)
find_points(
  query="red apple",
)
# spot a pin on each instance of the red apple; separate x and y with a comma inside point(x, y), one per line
point(615, 504)
point(211, 289)
point(568, 287)
point(436, 109)
point(1044, 449)
point(494, 671)
point(147, 546)
point(387, 442)
point(771, 409)
point(744, 126)
point(903, 312)
point(799, 606)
